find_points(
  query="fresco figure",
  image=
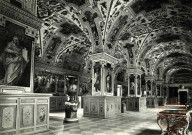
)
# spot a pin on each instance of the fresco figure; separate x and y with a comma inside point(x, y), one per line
point(108, 83)
point(132, 88)
point(97, 80)
point(14, 60)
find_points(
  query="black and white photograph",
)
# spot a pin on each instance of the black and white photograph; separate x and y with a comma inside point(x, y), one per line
point(95, 67)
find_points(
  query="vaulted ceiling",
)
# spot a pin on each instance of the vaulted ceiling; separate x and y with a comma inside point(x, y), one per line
point(154, 32)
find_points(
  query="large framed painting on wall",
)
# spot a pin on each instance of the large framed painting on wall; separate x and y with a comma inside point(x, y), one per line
point(16, 49)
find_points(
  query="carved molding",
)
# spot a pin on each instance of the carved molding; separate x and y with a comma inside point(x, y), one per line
point(104, 57)
point(19, 15)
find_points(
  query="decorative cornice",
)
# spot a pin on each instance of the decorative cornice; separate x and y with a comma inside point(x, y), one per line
point(104, 57)
point(19, 15)
point(134, 71)
point(149, 78)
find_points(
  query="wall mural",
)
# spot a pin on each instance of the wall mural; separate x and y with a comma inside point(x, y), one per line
point(15, 56)
point(44, 82)
point(73, 62)
point(85, 85)
point(90, 18)
point(147, 5)
point(47, 82)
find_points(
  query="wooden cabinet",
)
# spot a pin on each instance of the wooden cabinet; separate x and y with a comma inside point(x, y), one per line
point(153, 102)
point(57, 103)
point(101, 106)
point(136, 103)
point(24, 113)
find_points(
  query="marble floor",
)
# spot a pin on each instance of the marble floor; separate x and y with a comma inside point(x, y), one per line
point(128, 123)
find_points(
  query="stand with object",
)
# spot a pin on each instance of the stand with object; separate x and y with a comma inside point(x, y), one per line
point(71, 107)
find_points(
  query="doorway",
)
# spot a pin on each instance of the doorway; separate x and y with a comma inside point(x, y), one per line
point(173, 96)
point(183, 97)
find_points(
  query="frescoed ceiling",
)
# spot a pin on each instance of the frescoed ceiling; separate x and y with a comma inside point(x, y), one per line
point(152, 30)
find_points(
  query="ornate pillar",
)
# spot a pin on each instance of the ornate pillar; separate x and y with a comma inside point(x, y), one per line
point(135, 102)
point(134, 82)
point(149, 85)
point(102, 103)
point(159, 88)
point(103, 74)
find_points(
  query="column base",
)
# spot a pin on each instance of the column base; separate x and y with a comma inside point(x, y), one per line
point(70, 120)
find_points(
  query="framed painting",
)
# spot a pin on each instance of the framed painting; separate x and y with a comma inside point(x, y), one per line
point(16, 50)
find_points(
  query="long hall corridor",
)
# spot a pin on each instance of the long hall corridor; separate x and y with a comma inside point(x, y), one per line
point(128, 123)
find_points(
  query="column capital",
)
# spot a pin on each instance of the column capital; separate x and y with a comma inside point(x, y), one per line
point(103, 63)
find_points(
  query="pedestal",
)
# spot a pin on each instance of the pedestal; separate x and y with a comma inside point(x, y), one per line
point(136, 103)
point(101, 106)
point(24, 113)
point(70, 112)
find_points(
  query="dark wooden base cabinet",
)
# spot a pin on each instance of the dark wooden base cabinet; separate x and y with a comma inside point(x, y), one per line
point(101, 106)
point(154, 102)
point(57, 103)
point(23, 113)
point(136, 103)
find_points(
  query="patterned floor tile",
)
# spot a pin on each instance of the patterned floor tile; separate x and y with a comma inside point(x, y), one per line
point(128, 123)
